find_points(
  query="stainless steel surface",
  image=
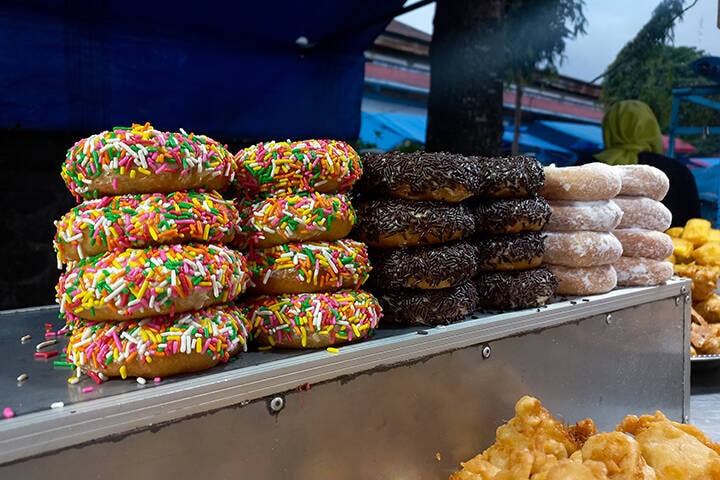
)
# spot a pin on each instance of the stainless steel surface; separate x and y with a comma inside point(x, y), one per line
point(402, 405)
point(705, 399)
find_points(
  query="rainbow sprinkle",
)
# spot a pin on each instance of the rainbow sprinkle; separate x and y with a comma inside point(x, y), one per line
point(136, 283)
point(138, 221)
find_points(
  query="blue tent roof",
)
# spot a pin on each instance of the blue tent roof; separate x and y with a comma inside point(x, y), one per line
point(573, 136)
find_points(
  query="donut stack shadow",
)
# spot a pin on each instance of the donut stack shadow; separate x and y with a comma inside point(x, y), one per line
point(306, 275)
point(149, 278)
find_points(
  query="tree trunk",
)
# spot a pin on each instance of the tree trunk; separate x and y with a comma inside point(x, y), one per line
point(465, 105)
point(517, 114)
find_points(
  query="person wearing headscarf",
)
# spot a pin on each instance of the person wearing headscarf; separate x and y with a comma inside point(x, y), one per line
point(631, 135)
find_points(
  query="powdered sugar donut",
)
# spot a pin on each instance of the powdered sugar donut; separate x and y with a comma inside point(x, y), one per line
point(638, 271)
point(592, 181)
point(596, 216)
point(581, 249)
point(584, 280)
point(643, 212)
point(637, 242)
point(643, 181)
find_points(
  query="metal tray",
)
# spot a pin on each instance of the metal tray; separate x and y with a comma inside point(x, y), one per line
point(704, 361)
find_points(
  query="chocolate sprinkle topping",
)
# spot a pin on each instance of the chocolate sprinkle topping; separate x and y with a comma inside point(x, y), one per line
point(509, 177)
point(497, 216)
point(515, 290)
point(505, 252)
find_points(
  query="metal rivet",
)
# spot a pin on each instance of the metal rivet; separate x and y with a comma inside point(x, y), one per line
point(677, 301)
point(608, 318)
point(683, 289)
point(687, 298)
point(486, 351)
point(277, 404)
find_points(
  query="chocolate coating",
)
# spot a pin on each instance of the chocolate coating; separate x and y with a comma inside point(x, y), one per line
point(509, 177)
point(428, 307)
point(512, 215)
point(512, 251)
point(425, 267)
point(515, 289)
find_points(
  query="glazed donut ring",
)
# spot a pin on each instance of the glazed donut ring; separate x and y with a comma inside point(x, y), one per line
point(514, 215)
point(512, 251)
point(592, 181)
point(637, 242)
point(584, 280)
point(419, 175)
point(141, 159)
point(395, 222)
point(639, 271)
point(427, 267)
point(509, 177)
point(162, 280)
point(326, 166)
point(643, 212)
point(312, 320)
point(581, 249)
point(643, 181)
point(515, 289)
point(158, 346)
point(309, 267)
point(298, 217)
point(596, 216)
point(411, 306)
point(142, 220)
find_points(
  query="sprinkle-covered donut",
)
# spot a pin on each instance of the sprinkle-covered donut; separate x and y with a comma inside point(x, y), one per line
point(509, 177)
point(396, 222)
point(639, 271)
point(138, 221)
point(512, 251)
point(309, 267)
point(419, 175)
point(511, 215)
point(140, 159)
point(312, 320)
point(637, 242)
point(411, 306)
point(581, 249)
point(426, 267)
point(588, 182)
point(584, 280)
point(643, 181)
point(158, 346)
point(162, 280)
point(643, 212)
point(572, 215)
point(298, 217)
point(327, 166)
point(515, 289)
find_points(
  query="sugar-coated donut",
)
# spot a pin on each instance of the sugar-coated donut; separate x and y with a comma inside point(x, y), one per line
point(643, 181)
point(584, 280)
point(509, 177)
point(426, 267)
point(410, 306)
point(162, 280)
point(581, 249)
point(515, 289)
point(637, 242)
point(571, 215)
point(312, 320)
point(396, 222)
point(639, 271)
point(510, 215)
point(327, 166)
point(308, 267)
point(643, 212)
point(295, 217)
point(512, 251)
point(141, 220)
point(140, 159)
point(438, 176)
point(592, 181)
point(158, 346)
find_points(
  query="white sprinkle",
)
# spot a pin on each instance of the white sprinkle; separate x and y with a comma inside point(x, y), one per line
point(73, 380)
point(56, 405)
point(22, 377)
point(25, 338)
point(141, 380)
point(44, 344)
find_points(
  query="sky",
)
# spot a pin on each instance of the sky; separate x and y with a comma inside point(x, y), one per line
point(611, 24)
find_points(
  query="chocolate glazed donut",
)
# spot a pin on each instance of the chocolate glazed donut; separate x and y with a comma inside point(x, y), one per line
point(512, 251)
point(515, 289)
point(511, 215)
point(509, 177)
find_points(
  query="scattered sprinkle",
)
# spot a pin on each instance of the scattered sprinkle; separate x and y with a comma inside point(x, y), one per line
point(8, 412)
point(22, 377)
point(45, 355)
point(141, 380)
point(56, 405)
point(25, 338)
point(87, 389)
point(333, 350)
point(45, 344)
point(73, 380)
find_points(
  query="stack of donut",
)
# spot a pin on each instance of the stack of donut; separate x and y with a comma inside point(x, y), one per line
point(509, 215)
point(413, 214)
point(295, 217)
point(646, 246)
point(579, 246)
point(149, 280)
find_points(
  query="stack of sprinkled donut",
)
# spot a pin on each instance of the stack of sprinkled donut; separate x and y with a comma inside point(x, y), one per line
point(641, 231)
point(509, 215)
point(579, 246)
point(306, 274)
point(413, 213)
point(149, 278)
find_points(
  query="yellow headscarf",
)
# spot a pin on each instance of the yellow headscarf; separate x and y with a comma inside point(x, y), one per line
point(629, 127)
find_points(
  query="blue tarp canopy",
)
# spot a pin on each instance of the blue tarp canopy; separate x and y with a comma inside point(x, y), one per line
point(255, 70)
point(579, 137)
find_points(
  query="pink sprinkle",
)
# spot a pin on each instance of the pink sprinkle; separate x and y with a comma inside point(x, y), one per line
point(115, 184)
point(87, 389)
point(8, 412)
point(156, 379)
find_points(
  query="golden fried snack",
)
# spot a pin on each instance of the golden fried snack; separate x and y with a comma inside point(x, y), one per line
point(707, 254)
point(620, 454)
point(714, 235)
point(675, 232)
point(682, 250)
point(697, 231)
point(704, 279)
point(709, 308)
